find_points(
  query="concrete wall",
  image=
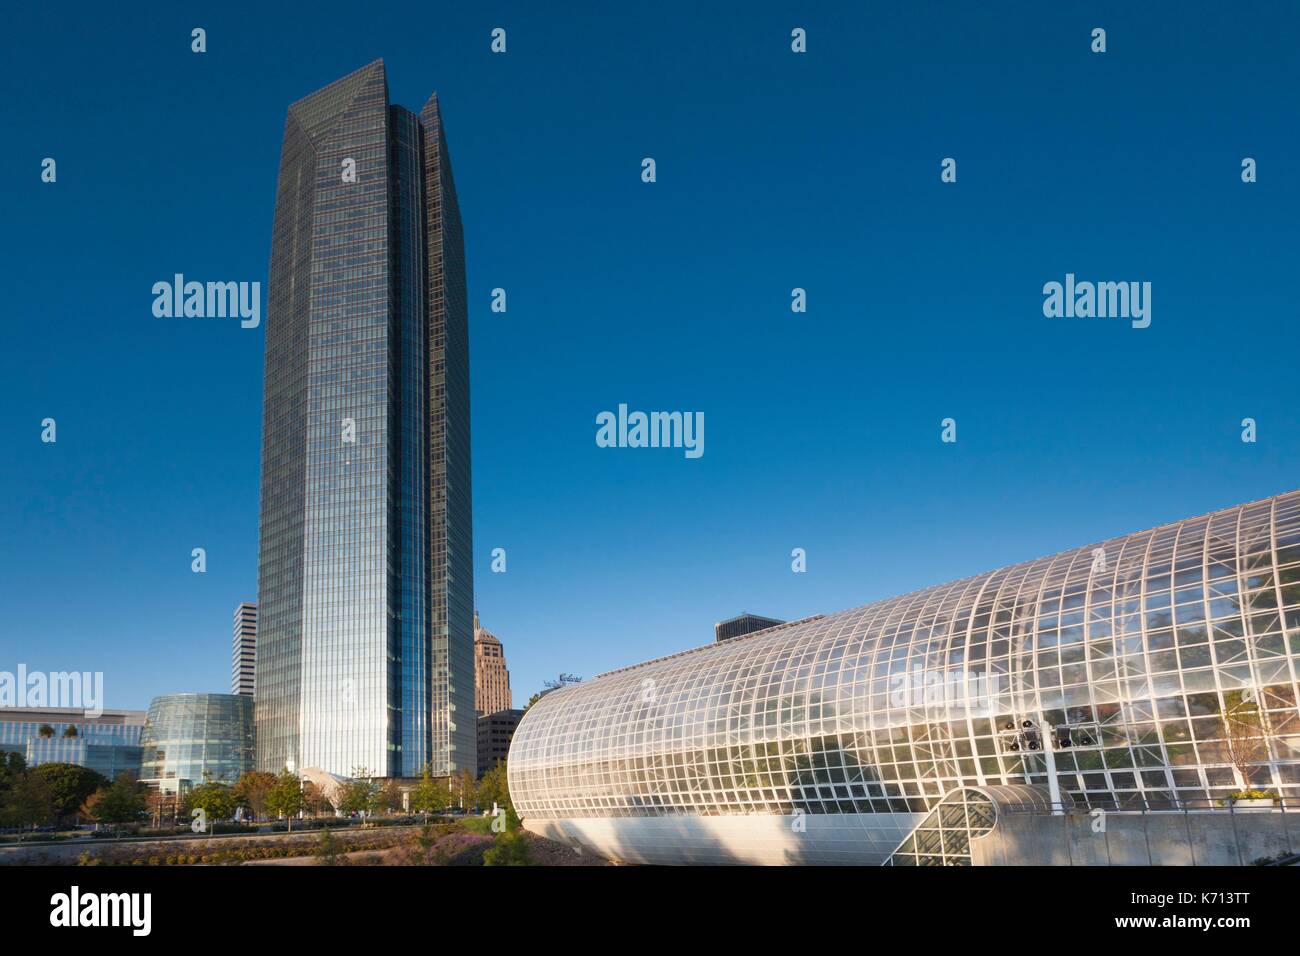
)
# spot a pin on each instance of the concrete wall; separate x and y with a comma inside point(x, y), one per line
point(758, 839)
point(1197, 838)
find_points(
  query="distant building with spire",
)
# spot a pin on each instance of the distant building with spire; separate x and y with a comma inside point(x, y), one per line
point(491, 678)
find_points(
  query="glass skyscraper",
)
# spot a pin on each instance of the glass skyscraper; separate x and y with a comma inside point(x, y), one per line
point(365, 654)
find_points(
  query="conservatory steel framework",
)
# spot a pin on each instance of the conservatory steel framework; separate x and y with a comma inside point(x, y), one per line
point(1108, 675)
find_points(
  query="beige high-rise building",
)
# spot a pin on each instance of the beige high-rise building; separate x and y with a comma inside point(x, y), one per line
point(243, 658)
point(491, 679)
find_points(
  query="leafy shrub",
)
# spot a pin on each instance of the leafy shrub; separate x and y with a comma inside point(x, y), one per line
point(510, 849)
point(477, 824)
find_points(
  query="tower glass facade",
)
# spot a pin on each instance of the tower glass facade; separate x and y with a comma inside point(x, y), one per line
point(365, 590)
point(1108, 676)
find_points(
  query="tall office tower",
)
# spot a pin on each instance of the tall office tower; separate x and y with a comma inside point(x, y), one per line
point(365, 656)
point(243, 656)
point(491, 678)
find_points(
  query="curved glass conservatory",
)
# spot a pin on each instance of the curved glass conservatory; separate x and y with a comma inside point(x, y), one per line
point(1121, 674)
point(192, 738)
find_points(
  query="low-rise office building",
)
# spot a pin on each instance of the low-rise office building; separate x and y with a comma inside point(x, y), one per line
point(108, 743)
point(741, 625)
point(494, 734)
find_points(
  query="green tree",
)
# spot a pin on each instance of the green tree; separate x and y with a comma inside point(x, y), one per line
point(12, 766)
point(314, 799)
point(285, 798)
point(465, 789)
point(88, 805)
point(70, 730)
point(359, 793)
point(70, 785)
point(216, 800)
point(390, 796)
point(327, 850)
point(121, 802)
point(385, 797)
point(429, 795)
point(251, 791)
point(29, 802)
point(494, 789)
point(46, 731)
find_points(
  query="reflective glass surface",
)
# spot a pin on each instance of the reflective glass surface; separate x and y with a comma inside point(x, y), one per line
point(198, 737)
point(108, 744)
point(365, 591)
point(1128, 653)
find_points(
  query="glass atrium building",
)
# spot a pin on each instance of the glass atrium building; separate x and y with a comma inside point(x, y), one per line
point(1106, 676)
point(365, 649)
point(190, 739)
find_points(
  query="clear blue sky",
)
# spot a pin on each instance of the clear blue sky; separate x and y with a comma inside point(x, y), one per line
point(775, 170)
